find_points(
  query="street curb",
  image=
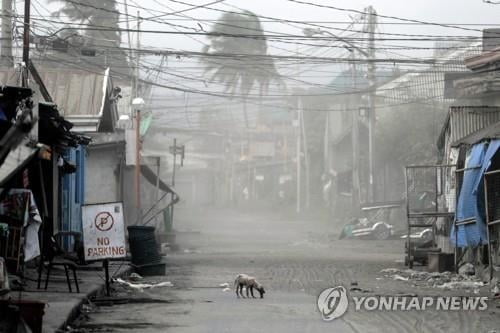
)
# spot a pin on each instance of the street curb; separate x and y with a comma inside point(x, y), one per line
point(75, 311)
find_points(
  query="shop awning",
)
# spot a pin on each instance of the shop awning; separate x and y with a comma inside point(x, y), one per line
point(151, 177)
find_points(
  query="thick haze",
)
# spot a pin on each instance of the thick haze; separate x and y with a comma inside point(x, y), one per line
point(188, 73)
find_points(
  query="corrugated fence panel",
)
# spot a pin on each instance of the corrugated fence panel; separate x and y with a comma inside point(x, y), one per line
point(465, 120)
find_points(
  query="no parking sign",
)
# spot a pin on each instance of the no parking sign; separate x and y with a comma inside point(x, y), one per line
point(103, 231)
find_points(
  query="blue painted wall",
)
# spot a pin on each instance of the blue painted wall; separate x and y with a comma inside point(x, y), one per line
point(73, 191)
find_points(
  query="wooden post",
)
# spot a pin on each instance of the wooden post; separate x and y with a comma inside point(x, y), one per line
point(55, 191)
point(105, 264)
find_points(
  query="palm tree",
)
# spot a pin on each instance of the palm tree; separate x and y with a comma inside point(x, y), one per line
point(239, 73)
point(99, 14)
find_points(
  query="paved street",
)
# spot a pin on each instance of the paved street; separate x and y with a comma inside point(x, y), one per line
point(295, 260)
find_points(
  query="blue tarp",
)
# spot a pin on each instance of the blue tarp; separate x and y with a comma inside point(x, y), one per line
point(471, 199)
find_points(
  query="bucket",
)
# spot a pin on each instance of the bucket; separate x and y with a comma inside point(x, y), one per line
point(142, 244)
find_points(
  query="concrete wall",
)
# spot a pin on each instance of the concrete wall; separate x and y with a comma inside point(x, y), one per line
point(102, 170)
point(107, 181)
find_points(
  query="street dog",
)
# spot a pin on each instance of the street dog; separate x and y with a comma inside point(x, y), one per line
point(249, 282)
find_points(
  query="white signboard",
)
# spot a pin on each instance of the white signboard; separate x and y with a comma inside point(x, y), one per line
point(103, 231)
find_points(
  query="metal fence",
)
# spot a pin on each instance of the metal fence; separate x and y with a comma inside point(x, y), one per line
point(430, 189)
point(430, 195)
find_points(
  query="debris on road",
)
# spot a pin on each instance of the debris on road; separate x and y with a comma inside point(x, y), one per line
point(390, 270)
point(495, 287)
point(400, 278)
point(445, 280)
point(225, 287)
point(467, 269)
point(356, 288)
point(142, 286)
point(462, 285)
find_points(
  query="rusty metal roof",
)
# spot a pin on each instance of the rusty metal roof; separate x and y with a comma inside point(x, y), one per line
point(81, 96)
point(465, 120)
point(488, 133)
point(75, 92)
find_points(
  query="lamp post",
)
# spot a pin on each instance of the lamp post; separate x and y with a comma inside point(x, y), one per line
point(137, 104)
point(309, 32)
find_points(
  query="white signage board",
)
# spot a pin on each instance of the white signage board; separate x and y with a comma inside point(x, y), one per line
point(103, 231)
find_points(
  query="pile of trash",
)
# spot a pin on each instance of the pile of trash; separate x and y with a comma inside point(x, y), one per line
point(133, 280)
point(444, 280)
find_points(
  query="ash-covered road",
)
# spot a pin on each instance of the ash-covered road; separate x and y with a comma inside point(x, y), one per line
point(295, 260)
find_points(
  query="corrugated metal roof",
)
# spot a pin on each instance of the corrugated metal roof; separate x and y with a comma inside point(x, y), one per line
point(80, 95)
point(429, 81)
point(488, 133)
point(75, 92)
point(465, 120)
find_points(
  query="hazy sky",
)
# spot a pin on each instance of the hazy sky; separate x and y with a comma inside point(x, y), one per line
point(446, 11)
point(439, 11)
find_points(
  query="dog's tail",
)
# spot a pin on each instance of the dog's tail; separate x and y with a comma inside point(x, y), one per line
point(236, 280)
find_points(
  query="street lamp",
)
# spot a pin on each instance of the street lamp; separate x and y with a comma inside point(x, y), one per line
point(309, 32)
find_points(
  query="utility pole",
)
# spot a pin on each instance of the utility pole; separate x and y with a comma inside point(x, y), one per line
point(355, 140)
point(372, 21)
point(326, 145)
point(306, 157)
point(26, 41)
point(137, 55)
point(299, 139)
point(6, 49)
point(138, 102)
point(231, 167)
point(128, 29)
point(175, 150)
